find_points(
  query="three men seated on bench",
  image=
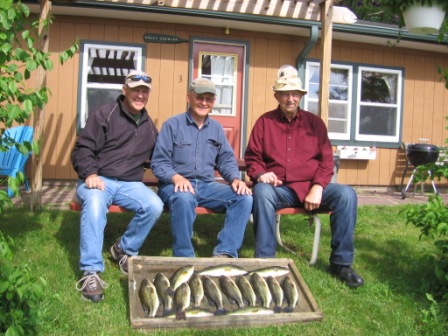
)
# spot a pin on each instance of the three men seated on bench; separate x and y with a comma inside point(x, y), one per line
point(289, 158)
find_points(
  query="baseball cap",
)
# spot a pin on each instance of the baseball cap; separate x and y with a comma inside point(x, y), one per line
point(203, 85)
point(137, 78)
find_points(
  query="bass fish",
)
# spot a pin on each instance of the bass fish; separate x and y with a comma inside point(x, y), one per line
point(252, 311)
point(291, 294)
point(182, 300)
point(273, 271)
point(220, 270)
point(162, 284)
point(179, 277)
point(246, 291)
point(213, 294)
point(149, 298)
point(261, 289)
point(277, 293)
point(232, 291)
point(197, 290)
point(194, 312)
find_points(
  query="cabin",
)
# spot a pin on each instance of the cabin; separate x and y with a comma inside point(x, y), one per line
point(382, 93)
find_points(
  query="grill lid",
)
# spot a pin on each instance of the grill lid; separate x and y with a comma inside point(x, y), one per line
point(420, 154)
point(423, 148)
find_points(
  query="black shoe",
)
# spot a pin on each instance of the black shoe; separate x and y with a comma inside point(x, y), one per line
point(120, 257)
point(91, 287)
point(346, 274)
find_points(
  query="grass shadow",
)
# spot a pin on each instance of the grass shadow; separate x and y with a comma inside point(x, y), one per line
point(402, 262)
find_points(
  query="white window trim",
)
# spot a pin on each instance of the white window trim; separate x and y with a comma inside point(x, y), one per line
point(334, 135)
point(85, 69)
point(379, 138)
point(356, 97)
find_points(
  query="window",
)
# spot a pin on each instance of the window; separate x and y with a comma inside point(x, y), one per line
point(221, 69)
point(365, 103)
point(340, 94)
point(103, 70)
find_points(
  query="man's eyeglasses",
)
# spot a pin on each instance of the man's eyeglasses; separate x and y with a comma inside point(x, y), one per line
point(144, 78)
point(294, 94)
point(207, 99)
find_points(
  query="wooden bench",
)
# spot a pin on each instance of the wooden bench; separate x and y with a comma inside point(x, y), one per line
point(313, 219)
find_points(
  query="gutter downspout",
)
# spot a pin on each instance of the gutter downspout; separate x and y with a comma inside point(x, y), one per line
point(300, 60)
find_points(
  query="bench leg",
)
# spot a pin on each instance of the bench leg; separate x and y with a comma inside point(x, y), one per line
point(317, 228)
point(278, 235)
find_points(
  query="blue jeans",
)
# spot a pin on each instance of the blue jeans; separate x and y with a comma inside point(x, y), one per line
point(135, 197)
point(340, 199)
point(212, 195)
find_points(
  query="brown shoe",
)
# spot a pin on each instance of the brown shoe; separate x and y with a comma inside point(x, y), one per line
point(91, 287)
point(120, 257)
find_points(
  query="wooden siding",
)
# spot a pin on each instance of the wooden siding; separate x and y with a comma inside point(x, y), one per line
point(425, 97)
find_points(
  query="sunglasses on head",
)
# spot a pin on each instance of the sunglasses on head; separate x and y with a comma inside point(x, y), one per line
point(136, 78)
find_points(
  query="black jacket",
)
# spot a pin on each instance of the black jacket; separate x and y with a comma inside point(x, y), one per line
point(113, 145)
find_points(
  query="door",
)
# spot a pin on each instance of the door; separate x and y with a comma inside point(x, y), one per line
point(224, 64)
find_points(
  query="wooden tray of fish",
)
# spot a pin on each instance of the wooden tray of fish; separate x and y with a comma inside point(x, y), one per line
point(173, 292)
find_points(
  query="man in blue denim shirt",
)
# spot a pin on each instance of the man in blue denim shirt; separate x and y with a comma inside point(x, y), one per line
point(189, 148)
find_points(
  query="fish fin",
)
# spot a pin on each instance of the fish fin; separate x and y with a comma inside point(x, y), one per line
point(277, 309)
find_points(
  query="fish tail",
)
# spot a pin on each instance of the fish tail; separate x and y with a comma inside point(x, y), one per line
point(220, 311)
point(180, 315)
point(288, 309)
point(167, 312)
point(277, 309)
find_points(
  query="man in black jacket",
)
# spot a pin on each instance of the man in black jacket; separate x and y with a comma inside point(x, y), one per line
point(109, 157)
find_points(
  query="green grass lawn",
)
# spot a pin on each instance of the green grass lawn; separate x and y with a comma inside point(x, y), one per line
point(394, 262)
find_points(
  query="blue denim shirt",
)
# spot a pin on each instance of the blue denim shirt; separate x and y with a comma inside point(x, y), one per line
point(182, 148)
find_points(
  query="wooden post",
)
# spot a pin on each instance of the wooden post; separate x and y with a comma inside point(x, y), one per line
point(325, 60)
point(35, 202)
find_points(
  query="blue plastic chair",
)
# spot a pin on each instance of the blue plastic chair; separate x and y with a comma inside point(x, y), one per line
point(12, 161)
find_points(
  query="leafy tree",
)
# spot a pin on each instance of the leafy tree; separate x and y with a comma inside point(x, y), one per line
point(389, 11)
point(19, 58)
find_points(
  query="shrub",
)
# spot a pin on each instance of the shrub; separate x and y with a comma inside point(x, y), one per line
point(20, 294)
point(432, 219)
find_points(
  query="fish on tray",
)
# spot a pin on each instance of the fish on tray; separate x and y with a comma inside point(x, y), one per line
point(197, 290)
point(194, 312)
point(182, 275)
point(252, 311)
point(231, 290)
point(261, 289)
point(182, 298)
point(291, 294)
point(213, 294)
point(149, 298)
point(246, 290)
point(220, 270)
point(277, 293)
point(162, 283)
point(274, 271)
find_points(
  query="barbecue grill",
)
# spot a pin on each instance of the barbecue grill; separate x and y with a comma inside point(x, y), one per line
point(418, 155)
